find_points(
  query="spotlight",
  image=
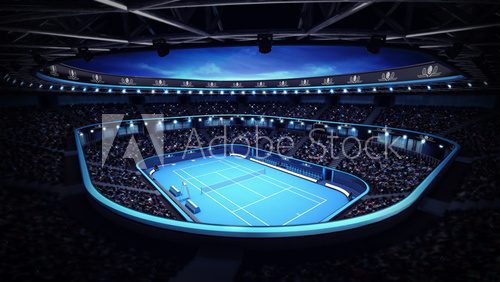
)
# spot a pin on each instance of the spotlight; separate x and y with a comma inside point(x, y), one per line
point(161, 46)
point(265, 42)
point(85, 54)
point(375, 43)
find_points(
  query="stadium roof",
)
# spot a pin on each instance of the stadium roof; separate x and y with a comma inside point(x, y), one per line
point(464, 33)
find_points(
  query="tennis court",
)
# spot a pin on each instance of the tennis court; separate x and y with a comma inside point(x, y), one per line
point(234, 191)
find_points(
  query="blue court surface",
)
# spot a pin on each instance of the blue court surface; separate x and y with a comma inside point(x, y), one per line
point(230, 190)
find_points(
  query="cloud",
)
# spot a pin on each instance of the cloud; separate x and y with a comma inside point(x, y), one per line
point(273, 75)
point(208, 69)
point(155, 71)
point(315, 70)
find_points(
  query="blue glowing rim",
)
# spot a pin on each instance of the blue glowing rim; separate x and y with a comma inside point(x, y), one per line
point(271, 231)
point(415, 74)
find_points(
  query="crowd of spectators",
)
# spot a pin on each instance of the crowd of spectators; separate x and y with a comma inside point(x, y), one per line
point(212, 108)
point(347, 113)
point(322, 150)
point(462, 247)
point(480, 138)
point(119, 177)
point(387, 173)
point(284, 110)
point(426, 119)
point(44, 128)
point(370, 205)
point(283, 142)
point(39, 137)
point(481, 182)
point(30, 163)
point(86, 114)
point(145, 202)
point(165, 109)
point(41, 241)
point(237, 135)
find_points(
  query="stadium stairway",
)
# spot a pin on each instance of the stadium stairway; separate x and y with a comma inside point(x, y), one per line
point(369, 120)
point(297, 146)
point(271, 136)
point(336, 162)
point(373, 115)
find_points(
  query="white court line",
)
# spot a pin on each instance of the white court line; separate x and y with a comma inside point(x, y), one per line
point(266, 197)
point(202, 164)
point(289, 189)
point(216, 201)
point(215, 191)
point(303, 213)
point(239, 184)
point(205, 174)
point(275, 184)
point(277, 180)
